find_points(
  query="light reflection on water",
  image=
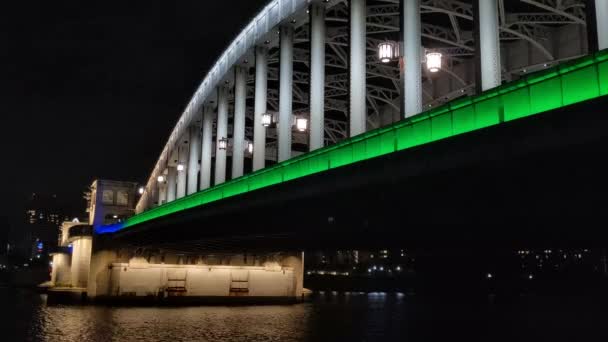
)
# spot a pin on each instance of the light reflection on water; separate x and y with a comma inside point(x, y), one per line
point(213, 323)
point(331, 316)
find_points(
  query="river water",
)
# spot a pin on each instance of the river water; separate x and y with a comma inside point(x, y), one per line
point(327, 317)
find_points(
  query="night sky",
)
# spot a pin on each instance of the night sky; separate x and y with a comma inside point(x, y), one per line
point(92, 89)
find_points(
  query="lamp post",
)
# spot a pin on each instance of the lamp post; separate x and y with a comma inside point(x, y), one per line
point(266, 119)
point(223, 143)
point(301, 124)
point(388, 51)
point(433, 61)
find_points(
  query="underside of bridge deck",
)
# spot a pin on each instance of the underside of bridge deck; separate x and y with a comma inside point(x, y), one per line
point(540, 178)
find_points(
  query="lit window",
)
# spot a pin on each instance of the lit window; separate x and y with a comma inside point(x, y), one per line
point(122, 197)
point(108, 197)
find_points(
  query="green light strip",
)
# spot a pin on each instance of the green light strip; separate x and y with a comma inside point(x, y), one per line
point(565, 84)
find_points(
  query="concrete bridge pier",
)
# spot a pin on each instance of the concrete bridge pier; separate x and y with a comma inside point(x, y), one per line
point(61, 274)
point(296, 261)
point(119, 275)
point(100, 273)
point(81, 257)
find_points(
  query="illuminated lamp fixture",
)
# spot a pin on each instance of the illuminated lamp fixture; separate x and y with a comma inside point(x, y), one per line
point(250, 147)
point(266, 119)
point(301, 124)
point(222, 143)
point(141, 190)
point(180, 167)
point(161, 179)
point(433, 61)
point(387, 51)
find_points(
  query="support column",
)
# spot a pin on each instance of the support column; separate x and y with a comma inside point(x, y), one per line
point(489, 45)
point(317, 75)
point(296, 260)
point(100, 273)
point(162, 193)
point(222, 132)
point(285, 93)
point(81, 261)
point(261, 87)
point(182, 175)
point(171, 183)
point(195, 153)
point(238, 135)
point(154, 195)
point(150, 197)
point(207, 143)
point(601, 15)
point(62, 270)
point(358, 110)
point(412, 46)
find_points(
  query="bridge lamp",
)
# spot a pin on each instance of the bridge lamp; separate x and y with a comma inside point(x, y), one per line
point(387, 51)
point(266, 119)
point(141, 190)
point(222, 143)
point(301, 124)
point(180, 167)
point(161, 179)
point(433, 61)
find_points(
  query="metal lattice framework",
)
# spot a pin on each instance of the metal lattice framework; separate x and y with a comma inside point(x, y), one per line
point(446, 27)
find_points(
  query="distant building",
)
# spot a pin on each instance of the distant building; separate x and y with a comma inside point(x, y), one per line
point(44, 209)
point(376, 263)
point(111, 201)
point(39, 229)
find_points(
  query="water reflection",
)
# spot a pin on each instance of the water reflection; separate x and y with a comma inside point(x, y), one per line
point(89, 323)
point(331, 316)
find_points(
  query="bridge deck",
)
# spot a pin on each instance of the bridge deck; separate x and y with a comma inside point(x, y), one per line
point(569, 83)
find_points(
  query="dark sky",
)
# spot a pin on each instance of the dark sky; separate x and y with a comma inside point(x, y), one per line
point(92, 89)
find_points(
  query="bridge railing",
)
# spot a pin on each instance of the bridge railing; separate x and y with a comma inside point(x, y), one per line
point(565, 84)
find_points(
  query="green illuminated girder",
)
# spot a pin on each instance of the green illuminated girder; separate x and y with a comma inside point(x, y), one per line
point(565, 84)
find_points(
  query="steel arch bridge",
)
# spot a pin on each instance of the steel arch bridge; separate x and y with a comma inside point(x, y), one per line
point(272, 67)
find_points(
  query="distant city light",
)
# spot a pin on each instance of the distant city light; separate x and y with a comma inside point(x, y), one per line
point(489, 276)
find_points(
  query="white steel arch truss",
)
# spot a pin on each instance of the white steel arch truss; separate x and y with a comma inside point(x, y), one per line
point(449, 37)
